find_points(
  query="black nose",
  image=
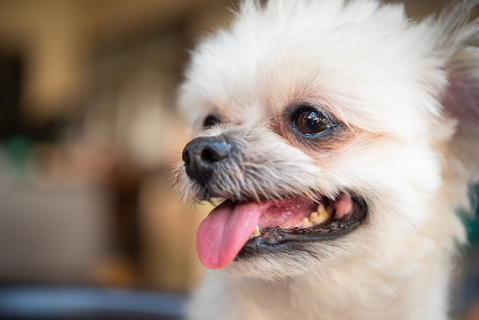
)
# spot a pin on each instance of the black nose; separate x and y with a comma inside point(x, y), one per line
point(201, 155)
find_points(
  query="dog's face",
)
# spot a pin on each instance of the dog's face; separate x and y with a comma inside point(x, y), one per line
point(319, 125)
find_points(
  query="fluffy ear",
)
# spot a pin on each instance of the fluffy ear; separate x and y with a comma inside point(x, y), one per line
point(459, 42)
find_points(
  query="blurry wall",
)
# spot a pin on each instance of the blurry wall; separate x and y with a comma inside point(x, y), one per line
point(88, 137)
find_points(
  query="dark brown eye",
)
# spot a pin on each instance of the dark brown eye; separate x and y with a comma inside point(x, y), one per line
point(311, 122)
point(210, 121)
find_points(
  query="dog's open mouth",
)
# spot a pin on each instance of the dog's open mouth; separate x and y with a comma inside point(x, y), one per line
point(252, 226)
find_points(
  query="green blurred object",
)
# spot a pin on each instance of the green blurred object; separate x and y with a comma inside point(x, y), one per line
point(473, 223)
point(17, 150)
point(474, 230)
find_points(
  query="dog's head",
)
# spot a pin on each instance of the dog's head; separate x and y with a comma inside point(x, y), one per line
point(329, 129)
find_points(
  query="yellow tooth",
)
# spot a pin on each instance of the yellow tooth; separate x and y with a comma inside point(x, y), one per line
point(255, 232)
point(321, 209)
point(322, 214)
point(305, 222)
point(313, 216)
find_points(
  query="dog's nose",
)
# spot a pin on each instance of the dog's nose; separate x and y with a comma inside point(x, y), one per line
point(201, 155)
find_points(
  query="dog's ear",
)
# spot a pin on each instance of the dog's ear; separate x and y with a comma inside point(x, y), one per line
point(459, 42)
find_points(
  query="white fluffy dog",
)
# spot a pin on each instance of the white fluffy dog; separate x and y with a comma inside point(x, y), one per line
point(341, 138)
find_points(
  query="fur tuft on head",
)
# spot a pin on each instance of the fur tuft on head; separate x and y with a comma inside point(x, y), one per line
point(458, 40)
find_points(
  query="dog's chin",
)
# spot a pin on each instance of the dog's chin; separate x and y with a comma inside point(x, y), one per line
point(276, 267)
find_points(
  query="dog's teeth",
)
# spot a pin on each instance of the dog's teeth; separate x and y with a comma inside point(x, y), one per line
point(255, 232)
point(322, 214)
point(305, 222)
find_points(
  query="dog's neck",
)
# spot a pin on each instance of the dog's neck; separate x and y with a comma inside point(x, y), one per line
point(362, 294)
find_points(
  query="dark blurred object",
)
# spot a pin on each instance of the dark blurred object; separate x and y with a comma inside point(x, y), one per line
point(10, 83)
point(59, 303)
point(13, 122)
point(470, 285)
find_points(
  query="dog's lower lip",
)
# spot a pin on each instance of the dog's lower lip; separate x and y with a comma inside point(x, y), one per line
point(330, 230)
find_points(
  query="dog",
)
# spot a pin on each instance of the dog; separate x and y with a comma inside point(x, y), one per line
point(338, 140)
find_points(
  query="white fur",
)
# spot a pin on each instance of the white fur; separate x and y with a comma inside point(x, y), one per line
point(392, 81)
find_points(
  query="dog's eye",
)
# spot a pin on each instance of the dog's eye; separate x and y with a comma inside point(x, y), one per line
point(211, 121)
point(311, 122)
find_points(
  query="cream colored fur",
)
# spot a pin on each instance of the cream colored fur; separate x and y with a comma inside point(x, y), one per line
point(408, 92)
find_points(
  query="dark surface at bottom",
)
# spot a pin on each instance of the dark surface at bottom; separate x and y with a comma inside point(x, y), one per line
point(93, 316)
point(22, 302)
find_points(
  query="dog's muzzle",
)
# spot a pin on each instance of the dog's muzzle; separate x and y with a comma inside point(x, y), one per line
point(203, 154)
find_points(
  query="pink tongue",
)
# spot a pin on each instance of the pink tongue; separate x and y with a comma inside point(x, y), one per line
point(224, 232)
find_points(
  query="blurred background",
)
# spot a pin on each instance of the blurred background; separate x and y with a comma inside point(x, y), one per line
point(90, 227)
